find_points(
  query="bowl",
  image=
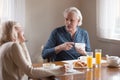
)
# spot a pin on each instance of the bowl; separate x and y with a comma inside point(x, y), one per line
point(113, 61)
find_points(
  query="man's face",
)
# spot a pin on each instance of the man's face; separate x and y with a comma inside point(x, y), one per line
point(71, 21)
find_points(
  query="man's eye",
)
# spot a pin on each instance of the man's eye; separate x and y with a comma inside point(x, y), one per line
point(72, 20)
point(66, 19)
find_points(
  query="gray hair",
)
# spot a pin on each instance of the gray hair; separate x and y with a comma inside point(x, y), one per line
point(76, 11)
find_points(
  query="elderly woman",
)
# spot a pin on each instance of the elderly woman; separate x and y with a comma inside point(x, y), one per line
point(60, 45)
point(15, 59)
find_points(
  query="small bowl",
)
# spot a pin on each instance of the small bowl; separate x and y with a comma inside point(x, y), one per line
point(82, 58)
point(113, 61)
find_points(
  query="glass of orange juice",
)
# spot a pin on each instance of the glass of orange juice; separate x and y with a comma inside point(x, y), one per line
point(98, 54)
point(89, 60)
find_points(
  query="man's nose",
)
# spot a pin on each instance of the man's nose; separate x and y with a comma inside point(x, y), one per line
point(68, 22)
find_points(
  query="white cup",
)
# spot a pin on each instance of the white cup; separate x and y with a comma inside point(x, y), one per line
point(113, 61)
point(80, 45)
point(48, 65)
point(82, 58)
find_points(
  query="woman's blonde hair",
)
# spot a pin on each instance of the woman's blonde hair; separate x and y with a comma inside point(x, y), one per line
point(76, 11)
point(7, 32)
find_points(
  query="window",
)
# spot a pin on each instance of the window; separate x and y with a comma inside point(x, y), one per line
point(0, 9)
point(12, 10)
point(108, 19)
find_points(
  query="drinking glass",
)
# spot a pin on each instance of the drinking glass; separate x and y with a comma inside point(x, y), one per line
point(89, 60)
point(98, 53)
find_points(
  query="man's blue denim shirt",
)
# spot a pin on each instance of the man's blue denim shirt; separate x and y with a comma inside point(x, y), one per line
point(59, 36)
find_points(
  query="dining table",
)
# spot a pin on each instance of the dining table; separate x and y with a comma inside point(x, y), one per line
point(101, 72)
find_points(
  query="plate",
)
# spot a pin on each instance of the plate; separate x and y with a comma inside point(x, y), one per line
point(80, 67)
point(114, 66)
point(55, 67)
point(79, 64)
point(70, 71)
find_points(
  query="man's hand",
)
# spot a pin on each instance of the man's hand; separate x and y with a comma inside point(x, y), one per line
point(64, 46)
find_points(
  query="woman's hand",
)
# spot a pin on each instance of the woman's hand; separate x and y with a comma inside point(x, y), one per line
point(20, 32)
point(21, 37)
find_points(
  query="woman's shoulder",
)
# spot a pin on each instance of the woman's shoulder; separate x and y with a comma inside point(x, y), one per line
point(13, 43)
point(16, 45)
point(10, 44)
point(7, 46)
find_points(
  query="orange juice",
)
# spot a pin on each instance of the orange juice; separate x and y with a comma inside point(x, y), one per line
point(89, 62)
point(98, 57)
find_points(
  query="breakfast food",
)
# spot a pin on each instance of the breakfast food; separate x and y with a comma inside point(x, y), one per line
point(79, 64)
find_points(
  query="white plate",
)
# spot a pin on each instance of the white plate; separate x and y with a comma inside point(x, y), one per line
point(70, 71)
point(71, 61)
point(114, 66)
point(55, 67)
point(81, 67)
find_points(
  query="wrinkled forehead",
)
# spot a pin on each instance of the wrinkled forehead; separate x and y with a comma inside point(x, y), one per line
point(71, 13)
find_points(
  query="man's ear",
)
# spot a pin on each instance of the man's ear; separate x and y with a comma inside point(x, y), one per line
point(78, 21)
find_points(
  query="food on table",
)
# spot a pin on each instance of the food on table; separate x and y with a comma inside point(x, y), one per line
point(79, 64)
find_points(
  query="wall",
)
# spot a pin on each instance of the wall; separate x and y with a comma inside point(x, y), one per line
point(88, 8)
point(42, 16)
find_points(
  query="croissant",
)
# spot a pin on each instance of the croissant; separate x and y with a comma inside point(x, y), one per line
point(79, 64)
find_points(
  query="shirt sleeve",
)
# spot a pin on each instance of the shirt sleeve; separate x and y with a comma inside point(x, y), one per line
point(49, 48)
point(87, 41)
point(21, 62)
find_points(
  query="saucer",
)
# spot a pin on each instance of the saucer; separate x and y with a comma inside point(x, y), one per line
point(112, 66)
point(70, 71)
point(49, 65)
point(50, 68)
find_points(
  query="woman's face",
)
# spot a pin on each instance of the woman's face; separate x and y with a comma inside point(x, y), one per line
point(71, 21)
point(20, 33)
